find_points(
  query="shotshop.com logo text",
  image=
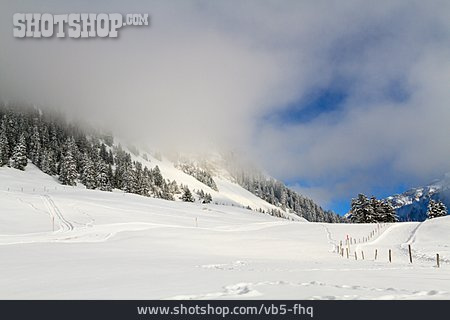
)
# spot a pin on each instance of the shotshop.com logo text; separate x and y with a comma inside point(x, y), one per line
point(74, 25)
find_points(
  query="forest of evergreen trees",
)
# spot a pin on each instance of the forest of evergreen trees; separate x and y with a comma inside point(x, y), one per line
point(64, 150)
point(276, 193)
point(198, 173)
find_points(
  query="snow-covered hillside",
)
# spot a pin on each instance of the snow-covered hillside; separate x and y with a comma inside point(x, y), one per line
point(412, 204)
point(64, 242)
point(228, 191)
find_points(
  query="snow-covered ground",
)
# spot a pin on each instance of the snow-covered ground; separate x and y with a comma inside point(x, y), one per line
point(115, 245)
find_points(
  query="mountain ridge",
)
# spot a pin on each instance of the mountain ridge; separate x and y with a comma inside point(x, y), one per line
point(412, 205)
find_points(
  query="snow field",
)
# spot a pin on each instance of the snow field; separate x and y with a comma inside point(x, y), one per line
point(123, 246)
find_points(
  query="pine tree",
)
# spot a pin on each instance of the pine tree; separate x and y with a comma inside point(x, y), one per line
point(187, 195)
point(89, 174)
point(201, 194)
point(389, 214)
point(19, 156)
point(377, 210)
point(4, 145)
point(110, 158)
point(103, 180)
point(166, 192)
point(123, 162)
point(52, 165)
point(436, 209)
point(110, 175)
point(157, 177)
point(139, 179)
point(208, 198)
point(35, 146)
point(129, 180)
point(361, 210)
point(442, 209)
point(48, 163)
point(103, 153)
point(145, 182)
point(45, 162)
point(173, 187)
point(68, 167)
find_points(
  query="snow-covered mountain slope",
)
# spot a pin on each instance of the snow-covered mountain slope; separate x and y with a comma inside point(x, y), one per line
point(412, 204)
point(228, 191)
point(64, 242)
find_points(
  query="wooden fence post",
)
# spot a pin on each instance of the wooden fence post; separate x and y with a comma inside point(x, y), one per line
point(347, 253)
point(356, 256)
point(437, 260)
point(376, 254)
point(390, 256)
point(362, 254)
point(410, 254)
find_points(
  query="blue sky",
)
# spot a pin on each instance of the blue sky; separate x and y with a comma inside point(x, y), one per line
point(315, 104)
point(328, 103)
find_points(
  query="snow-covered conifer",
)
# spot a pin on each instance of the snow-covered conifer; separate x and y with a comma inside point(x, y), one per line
point(35, 146)
point(19, 155)
point(361, 209)
point(436, 209)
point(88, 174)
point(68, 167)
point(4, 145)
point(103, 180)
point(187, 195)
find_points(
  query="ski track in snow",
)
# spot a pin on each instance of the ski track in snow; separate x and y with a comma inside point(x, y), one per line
point(65, 224)
point(330, 239)
point(417, 254)
point(412, 236)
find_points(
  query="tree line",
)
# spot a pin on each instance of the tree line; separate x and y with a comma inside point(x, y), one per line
point(277, 194)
